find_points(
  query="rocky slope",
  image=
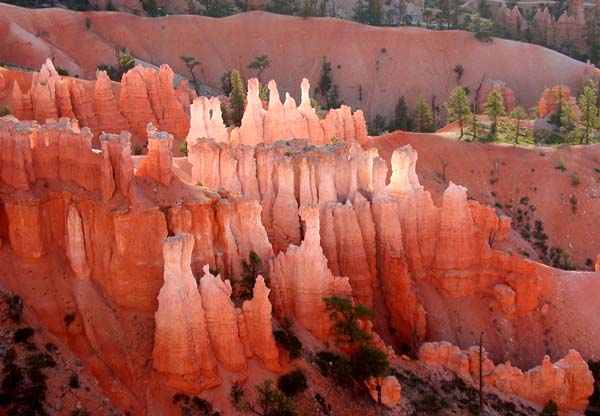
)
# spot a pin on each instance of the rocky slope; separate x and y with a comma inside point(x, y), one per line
point(373, 66)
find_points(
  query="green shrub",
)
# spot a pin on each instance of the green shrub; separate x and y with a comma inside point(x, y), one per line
point(4, 111)
point(22, 335)
point(61, 71)
point(183, 148)
point(74, 380)
point(39, 360)
point(550, 409)
point(368, 362)
point(14, 304)
point(288, 340)
point(292, 383)
point(575, 180)
point(562, 164)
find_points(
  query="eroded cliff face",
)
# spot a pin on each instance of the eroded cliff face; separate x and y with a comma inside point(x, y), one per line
point(322, 219)
point(568, 382)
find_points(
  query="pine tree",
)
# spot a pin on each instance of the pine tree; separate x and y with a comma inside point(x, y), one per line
point(401, 115)
point(494, 107)
point(237, 98)
point(458, 108)
point(518, 114)
point(569, 117)
point(260, 63)
point(422, 117)
point(589, 111)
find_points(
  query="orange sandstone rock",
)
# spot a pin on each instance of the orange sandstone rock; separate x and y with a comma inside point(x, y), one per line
point(182, 348)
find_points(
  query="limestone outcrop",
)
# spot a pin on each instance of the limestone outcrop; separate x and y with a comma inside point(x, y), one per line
point(568, 382)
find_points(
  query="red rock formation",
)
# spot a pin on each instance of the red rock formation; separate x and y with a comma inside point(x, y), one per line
point(222, 323)
point(182, 349)
point(390, 391)
point(257, 317)
point(278, 122)
point(22, 107)
point(135, 102)
point(548, 103)
point(300, 279)
point(107, 111)
point(3, 87)
point(157, 164)
point(569, 382)
point(508, 95)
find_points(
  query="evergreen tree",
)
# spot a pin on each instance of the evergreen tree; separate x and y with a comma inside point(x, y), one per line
point(422, 117)
point(589, 111)
point(494, 107)
point(191, 63)
point(260, 63)
point(569, 117)
point(237, 98)
point(401, 115)
point(518, 114)
point(326, 87)
point(458, 108)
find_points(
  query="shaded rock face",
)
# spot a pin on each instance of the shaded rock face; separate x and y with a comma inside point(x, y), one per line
point(279, 122)
point(568, 382)
point(301, 279)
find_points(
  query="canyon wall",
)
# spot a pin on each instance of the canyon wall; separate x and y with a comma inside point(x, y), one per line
point(322, 219)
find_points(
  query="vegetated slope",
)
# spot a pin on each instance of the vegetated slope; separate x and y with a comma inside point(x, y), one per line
point(524, 179)
point(373, 66)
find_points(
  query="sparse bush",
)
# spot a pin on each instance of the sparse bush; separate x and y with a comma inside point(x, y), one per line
point(345, 316)
point(14, 305)
point(368, 362)
point(39, 360)
point(22, 335)
point(272, 402)
point(288, 340)
point(292, 383)
point(61, 71)
point(573, 201)
point(4, 111)
point(250, 271)
point(550, 409)
point(88, 23)
point(183, 148)
point(562, 164)
point(236, 394)
point(74, 380)
point(575, 180)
